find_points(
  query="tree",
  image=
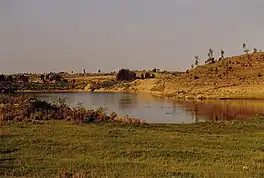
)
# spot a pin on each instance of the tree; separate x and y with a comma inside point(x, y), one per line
point(147, 75)
point(10, 78)
point(2, 78)
point(255, 50)
point(47, 77)
point(99, 71)
point(244, 45)
point(55, 77)
point(211, 52)
point(154, 70)
point(246, 50)
point(142, 76)
point(126, 75)
point(210, 56)
point(42, 77)
point(23, 78)
point(222, 54)
point(73, 83)
point(196, 60)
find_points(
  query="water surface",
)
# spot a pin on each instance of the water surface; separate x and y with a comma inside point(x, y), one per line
point(155, 109)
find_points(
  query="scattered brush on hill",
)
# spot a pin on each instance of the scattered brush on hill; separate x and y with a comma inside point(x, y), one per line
point(28, 109)
point(224, 78)
point(237, 68)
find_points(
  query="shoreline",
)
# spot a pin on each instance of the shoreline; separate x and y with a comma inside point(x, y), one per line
point(161, 94)
point(51, 91)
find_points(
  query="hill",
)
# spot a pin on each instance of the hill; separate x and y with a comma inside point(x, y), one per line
point(237, 77)
point(233, 77)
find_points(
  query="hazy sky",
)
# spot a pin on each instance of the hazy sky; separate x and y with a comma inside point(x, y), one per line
point(66, 35)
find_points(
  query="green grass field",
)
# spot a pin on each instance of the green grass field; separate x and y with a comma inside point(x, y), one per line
point(226, 149)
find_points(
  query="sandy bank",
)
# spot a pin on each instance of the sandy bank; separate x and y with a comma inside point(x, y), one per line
point(149, 86)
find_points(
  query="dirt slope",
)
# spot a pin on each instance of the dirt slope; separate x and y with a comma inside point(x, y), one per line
point(234, 77)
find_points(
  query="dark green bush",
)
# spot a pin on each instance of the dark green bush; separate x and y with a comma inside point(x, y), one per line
point(147, 75)
point(125, 75)
point(2, 78)
point(142, 76)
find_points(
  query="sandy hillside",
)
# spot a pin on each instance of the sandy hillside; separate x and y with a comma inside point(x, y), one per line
point(239, 76)
point(233, 77)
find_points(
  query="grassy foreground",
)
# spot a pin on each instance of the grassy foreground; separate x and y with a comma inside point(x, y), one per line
point(226, 149)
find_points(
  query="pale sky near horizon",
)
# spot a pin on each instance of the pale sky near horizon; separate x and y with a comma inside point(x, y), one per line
point(66, 35)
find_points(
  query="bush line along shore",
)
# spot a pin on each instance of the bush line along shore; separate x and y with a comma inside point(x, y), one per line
point(28, 109)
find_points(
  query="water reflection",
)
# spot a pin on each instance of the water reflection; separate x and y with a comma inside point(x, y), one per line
point(127, 101)
point(222, 110)
point(159, 110)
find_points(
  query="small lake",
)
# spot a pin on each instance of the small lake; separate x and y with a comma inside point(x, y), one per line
point(155, 109)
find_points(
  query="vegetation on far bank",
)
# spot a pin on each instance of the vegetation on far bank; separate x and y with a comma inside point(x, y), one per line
point(219, 78)
point(59, 148)
point(64, 81)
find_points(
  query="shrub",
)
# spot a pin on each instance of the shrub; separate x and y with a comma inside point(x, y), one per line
point(113, 115)
point(47, 77)
point(196, 77)
point(24, 109)
point(10, 78)
point(196, 61)
point(2, 78)
point(142, 76)
point(147, 75)
point(23, 78)
point(222, 54)
point(125, 75)
point(55, 77)
point(42, 77)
